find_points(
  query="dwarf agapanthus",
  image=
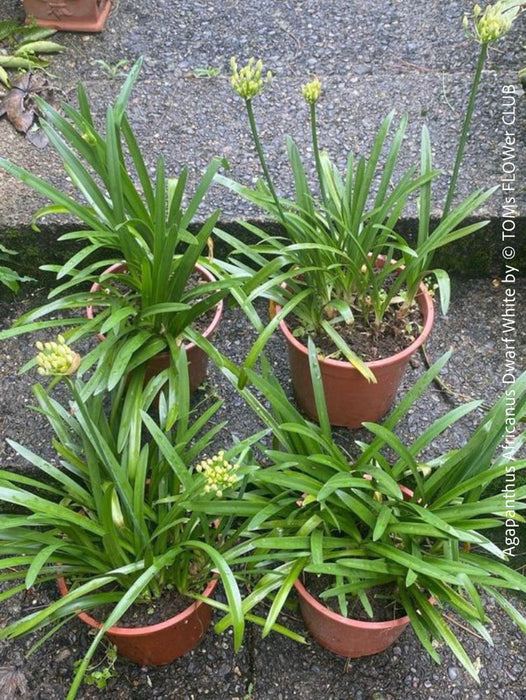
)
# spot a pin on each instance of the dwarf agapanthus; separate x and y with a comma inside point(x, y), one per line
point(219, 474)
point(248, 81)
point(491, 23)
point(56, 358)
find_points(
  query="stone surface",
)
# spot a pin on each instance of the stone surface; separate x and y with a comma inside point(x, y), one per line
point(373, 58)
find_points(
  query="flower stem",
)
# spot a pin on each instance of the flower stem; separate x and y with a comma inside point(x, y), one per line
point(319, 170)
point(261, 156)
point(465, 129)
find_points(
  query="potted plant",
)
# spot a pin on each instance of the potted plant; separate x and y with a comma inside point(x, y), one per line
point(347, 278)
point(69, 15)
point(113, 523)
point(149, 294)
point(381, 538)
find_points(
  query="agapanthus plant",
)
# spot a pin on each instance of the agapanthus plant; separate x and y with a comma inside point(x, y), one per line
point(320, 510)
point(115, 519)
point(144, 222)
point(339, 249)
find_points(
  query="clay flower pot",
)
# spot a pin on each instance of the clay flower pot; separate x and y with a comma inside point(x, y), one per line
point(343, 635)
point(350, 398)
point(158, 644)
point(197, 359)
point(68, 15)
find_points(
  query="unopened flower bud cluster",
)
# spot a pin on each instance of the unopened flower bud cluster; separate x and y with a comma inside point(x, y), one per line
point(89, 138)
point(56, 358)
point(116, 511)
point(491, 23)
point(248, 81)
point(219, 474)
point(312, 91)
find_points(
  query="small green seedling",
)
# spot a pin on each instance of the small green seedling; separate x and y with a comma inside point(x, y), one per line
point(115, 70)
point(99, 674)
point(206, 72)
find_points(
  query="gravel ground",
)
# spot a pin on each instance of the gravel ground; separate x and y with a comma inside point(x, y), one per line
point(276, 667)
point(372, 57)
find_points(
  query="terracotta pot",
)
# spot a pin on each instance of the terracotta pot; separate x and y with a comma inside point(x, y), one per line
point(159, 644)
point(344, 636)
point(68, 15)
point(350, 398)
point(197, 359)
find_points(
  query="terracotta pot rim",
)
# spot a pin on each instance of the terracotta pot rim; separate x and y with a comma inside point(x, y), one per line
point(348, 622)
point(425, 302)
point(210, 330)
point(149, 629)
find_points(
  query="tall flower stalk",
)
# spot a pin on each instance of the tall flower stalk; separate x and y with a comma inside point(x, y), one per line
point(311, 94)
point(485, 27)
point(248, 82)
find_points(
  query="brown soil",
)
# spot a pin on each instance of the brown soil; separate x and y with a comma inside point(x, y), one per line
point(380, 597)
point(367, 342)
point(142, 614)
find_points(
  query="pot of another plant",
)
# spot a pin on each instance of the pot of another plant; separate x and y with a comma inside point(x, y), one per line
point(350, 398)
point(197, 359)
point(68, 15)
point(329, 233)
point(384, 544)
point(159, 644)
point(137, 469)
point(343, 635)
